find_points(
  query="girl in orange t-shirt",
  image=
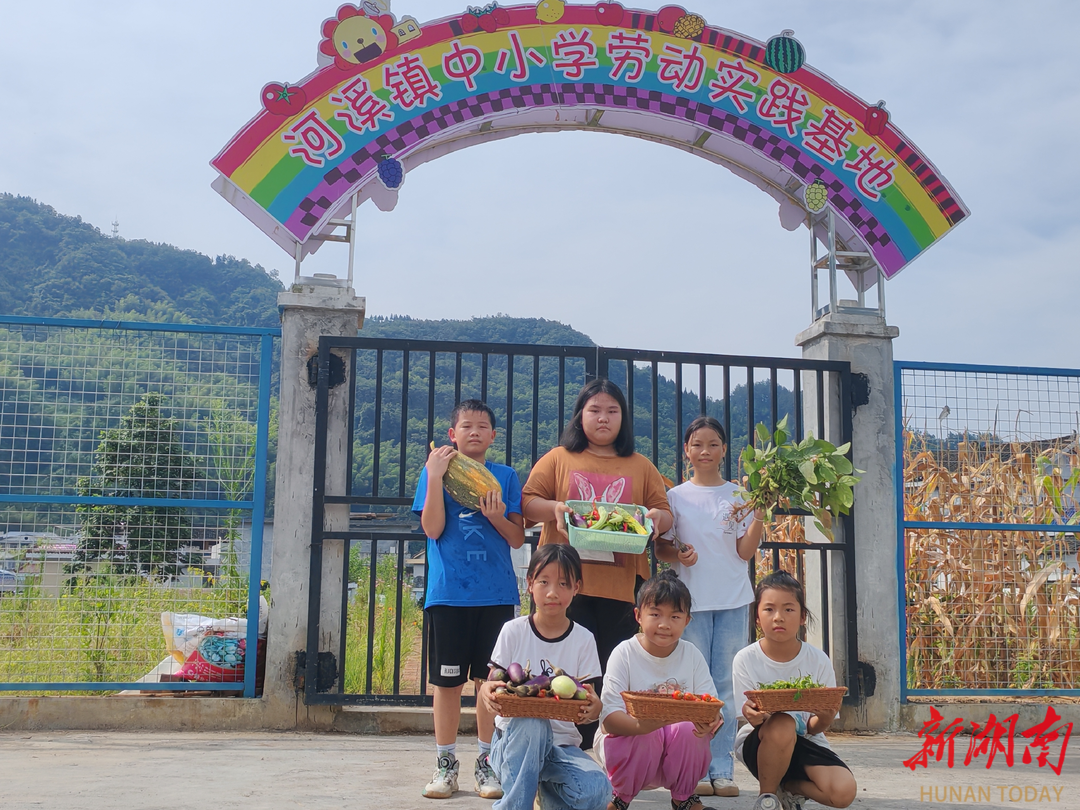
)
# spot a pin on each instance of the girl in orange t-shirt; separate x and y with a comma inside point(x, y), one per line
point(595, 460)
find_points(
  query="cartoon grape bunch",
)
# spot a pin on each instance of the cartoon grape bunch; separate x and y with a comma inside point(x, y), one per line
point(816, 195)
point(391, 172)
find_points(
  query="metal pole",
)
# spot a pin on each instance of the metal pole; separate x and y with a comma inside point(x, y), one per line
point(881, 293)
point(833, 303)
point(299, 254)
point(813, 271)
point(352, 240)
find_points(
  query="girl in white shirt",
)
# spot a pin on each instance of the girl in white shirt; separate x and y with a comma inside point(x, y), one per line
point(645, 754)
point(529, 755)
point(717, 539)
point(787, 751)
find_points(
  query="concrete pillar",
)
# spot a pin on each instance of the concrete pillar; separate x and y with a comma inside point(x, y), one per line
point(865, 341)
point(312, 307)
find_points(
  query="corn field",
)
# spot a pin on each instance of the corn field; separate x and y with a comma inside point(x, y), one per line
point(996, 608)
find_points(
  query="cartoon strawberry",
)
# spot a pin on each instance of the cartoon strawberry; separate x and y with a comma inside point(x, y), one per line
point(281, 99)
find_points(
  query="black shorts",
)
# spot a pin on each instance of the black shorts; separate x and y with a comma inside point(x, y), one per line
point(805, 753)
point(460, 641)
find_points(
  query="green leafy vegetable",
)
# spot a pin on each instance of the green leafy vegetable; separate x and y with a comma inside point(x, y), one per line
point(813, 475)
point(805, 682)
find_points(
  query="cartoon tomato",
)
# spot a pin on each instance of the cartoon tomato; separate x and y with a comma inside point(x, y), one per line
point(281, 99)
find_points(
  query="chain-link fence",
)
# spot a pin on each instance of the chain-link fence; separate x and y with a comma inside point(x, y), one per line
point(990, 467)
point(132, 493)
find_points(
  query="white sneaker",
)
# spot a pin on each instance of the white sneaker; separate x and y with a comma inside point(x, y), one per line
point(444, 781)
point(767, 801)
point(704, 788)
point(789, 801)
point(724, 787)
point(485, 781)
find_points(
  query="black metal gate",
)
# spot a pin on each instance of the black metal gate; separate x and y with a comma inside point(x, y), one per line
point(400, 393)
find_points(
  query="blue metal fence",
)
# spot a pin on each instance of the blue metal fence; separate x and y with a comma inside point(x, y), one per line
point(128, 451)
point(988, 464)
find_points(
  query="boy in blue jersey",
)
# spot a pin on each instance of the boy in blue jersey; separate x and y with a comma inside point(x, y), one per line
point(471, 588)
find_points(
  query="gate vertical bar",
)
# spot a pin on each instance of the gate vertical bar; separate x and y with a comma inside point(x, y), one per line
point(258, 508)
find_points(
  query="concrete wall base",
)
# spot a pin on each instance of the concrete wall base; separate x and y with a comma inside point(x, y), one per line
point(123, 713)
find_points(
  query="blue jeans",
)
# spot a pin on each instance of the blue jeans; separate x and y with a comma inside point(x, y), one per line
point(525, 758)
point(719, 634)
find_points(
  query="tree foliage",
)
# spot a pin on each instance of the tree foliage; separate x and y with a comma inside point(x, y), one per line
point(142, 458)
point(55, 265)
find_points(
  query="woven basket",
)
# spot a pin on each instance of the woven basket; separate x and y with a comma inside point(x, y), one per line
point(821, 699)
point(598, 539)
point(651, 706)
point(544, 708)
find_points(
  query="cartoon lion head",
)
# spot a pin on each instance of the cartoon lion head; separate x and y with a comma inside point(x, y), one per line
point(352, 37)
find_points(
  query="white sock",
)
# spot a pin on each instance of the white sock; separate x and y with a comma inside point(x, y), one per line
point(485, 747)
point(447, 750)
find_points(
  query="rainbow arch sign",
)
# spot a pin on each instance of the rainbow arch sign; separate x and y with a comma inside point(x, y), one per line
point(391, 94)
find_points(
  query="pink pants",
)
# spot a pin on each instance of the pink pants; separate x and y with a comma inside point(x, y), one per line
point(671, 757)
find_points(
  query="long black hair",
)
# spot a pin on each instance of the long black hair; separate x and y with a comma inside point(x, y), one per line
point(573, 437)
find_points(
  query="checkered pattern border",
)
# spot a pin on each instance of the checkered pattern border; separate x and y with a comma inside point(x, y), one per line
point(337, 181)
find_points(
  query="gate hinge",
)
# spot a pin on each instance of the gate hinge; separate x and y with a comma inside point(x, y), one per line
point(860, 390)
point(325, 671)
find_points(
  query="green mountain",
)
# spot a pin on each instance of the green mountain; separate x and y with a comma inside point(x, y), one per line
point(53, 389)
point(52, 265)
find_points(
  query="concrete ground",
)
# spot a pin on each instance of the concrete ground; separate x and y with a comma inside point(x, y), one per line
point(192, 770)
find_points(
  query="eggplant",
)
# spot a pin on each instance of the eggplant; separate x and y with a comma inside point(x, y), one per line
point(498, 674)
point(555, 673)
point(516, 673)
point(540, 682)
point(578, 520)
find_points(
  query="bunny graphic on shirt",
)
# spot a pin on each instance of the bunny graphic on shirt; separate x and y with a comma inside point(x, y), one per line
point(591, 486)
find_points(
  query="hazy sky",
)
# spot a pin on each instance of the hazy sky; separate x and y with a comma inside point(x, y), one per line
point(114, 110)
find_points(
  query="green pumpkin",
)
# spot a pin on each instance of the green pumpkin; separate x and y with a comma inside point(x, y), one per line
point(784, 53)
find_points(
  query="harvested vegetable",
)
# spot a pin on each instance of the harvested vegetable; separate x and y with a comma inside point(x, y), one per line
point(813, 475)
point(468, 481)
point(805, 682)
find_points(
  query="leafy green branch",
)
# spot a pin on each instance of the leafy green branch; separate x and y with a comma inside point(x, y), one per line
point(813, 475)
